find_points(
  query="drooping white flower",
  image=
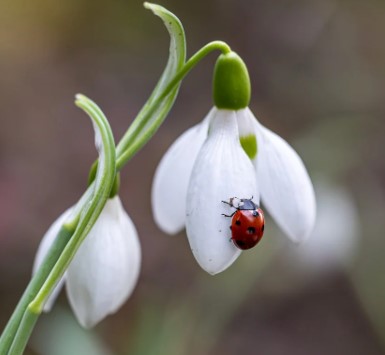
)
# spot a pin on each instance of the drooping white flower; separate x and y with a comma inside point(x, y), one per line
point(106, 267)
point(207, 165)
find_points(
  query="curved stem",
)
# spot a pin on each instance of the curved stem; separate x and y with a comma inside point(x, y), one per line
point(34, 286)
point(24, 332)
point(124, 150)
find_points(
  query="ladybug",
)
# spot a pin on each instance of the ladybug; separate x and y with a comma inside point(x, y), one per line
point(247, 224)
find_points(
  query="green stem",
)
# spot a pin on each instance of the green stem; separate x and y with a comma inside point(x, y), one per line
point(125, 149)
point(24, 332)
point(33, 288)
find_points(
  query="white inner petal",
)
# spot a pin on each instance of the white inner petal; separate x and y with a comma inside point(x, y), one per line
point(246, 122)
point(222, 170)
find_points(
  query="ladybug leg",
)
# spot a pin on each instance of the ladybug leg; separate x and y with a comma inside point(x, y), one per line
point(232, 201)
point(229, 215)
point(231, 204)
point(228, 203)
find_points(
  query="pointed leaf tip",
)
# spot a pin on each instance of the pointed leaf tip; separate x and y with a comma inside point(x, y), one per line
point(148, 5)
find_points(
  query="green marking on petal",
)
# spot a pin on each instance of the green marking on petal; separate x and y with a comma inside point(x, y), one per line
point(249, 145)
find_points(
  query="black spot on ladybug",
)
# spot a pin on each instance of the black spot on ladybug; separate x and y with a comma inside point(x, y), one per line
point(251, 230)
point(263, 227)
point(255, 214)
point(231, 227)
point(238, 222)
point(240, 243)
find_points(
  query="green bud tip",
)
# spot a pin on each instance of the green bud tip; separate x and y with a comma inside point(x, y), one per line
point(231, 82)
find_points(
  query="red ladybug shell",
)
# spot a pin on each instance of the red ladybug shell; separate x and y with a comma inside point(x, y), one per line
point(247, 228)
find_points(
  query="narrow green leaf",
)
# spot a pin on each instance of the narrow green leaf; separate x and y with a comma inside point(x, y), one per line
point(106, 170)
point(177, 56)
point(93, 204)
point(155, 111)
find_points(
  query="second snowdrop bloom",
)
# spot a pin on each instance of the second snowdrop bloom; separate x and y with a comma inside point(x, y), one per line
point(105, 269)
point(230, 154)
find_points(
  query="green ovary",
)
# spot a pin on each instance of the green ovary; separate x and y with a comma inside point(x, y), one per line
point(249, 145)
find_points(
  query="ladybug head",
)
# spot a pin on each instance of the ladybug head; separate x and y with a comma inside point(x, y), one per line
point(247, 204)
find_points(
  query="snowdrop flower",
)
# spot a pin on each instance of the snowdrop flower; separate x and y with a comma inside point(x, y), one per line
point(229, 154)
point(105, 269)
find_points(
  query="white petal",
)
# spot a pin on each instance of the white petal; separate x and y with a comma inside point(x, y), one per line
point(171, 178)
point(222, 170)
point(105, 269)
point(286, 188)
point(45, 244)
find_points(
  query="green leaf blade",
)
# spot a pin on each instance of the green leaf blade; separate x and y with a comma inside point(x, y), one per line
point(157, 106)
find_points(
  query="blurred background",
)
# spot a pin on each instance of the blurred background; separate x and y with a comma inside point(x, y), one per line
point(318, 76)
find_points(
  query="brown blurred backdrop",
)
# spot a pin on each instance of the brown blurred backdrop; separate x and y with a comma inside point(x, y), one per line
point(318, 76)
